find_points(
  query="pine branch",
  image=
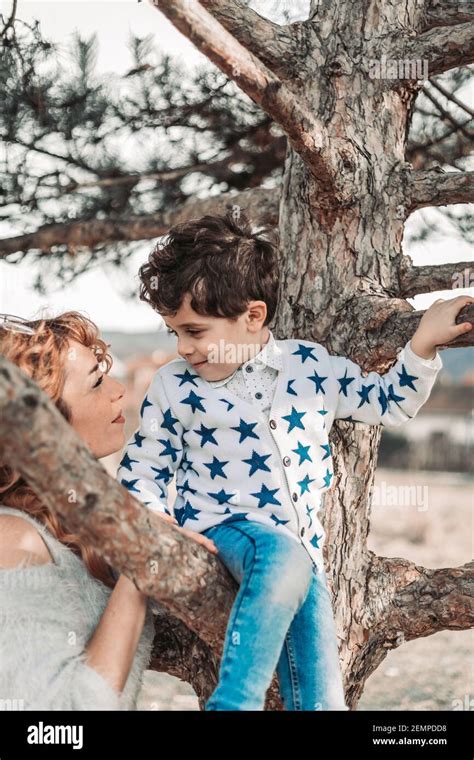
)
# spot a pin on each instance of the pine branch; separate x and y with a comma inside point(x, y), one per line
point(306, 133)
point(423, 601)
point(262, 204)
point(438, 188)
point(274, 45)
point(430, 278)
point(391, 332)
point(444, 48)
point(446, 13)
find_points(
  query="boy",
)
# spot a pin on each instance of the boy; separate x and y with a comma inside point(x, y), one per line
point(243, 420)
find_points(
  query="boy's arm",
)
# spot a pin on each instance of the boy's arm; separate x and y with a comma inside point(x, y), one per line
point(388, 399)
point(154, 452)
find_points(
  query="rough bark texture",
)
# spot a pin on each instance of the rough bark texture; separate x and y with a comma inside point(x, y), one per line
point(347, 191)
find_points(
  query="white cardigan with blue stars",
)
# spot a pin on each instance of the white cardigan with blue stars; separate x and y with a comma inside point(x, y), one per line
point(233, 462)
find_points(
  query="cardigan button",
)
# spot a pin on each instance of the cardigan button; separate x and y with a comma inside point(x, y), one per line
point(258, 395)
point(272, 424)
point(249, 368)
point(294, 496)
point(302, 531)
point(286, 461)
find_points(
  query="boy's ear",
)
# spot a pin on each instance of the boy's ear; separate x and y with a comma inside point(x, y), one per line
point(257, 311)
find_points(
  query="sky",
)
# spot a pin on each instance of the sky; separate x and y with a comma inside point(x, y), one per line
point(100, 293)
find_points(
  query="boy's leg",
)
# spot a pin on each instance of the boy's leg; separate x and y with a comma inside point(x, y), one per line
point(309, 669)
point(274, 572)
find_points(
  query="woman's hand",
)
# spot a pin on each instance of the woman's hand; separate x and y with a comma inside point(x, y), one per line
point(438, 326)
point(197, 537)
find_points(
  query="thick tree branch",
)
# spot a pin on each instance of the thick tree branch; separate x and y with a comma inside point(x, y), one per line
point(430, 278)
point(445, 47)
point(328, 160)
point(446, 13)
point(424, 601)
point(392, 332)
point(38, 442)
point(274, 45)
point(438, 188)
point(262, 206)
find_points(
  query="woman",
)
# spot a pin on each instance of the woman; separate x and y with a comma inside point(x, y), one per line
point(72, 637)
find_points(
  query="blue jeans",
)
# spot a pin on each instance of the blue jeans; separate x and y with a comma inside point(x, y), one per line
point(281, 619)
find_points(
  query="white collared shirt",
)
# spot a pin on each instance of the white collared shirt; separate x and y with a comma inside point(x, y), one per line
point(255, 380)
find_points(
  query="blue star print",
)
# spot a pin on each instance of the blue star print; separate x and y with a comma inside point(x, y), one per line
point(216, 468)
point(302, 452)
point(364, 394)
point(163, 473)
point(406, 379)
point(344, 382)
point(194, 402)
point(304, 484)
point(327, 478)
point(294, 419)
point(318, 382)
point(185, 487)
point(130, 485)
point(245, 429)
point(326, 448)
point(187, 377)
point(169, 422)
point(266, 496)
point(305, 352)
point(222, 497)
point(383, 400)
point(206, 434)
point(144, 405)
point(169, 450)
point(138, 440)
point(277, 520)
point(127, 462)
point(257, 462)
point(186, 513)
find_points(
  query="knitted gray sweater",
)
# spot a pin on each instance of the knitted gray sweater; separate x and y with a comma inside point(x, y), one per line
point(48, 613)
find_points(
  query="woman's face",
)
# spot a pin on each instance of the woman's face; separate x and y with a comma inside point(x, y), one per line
point(95, 400)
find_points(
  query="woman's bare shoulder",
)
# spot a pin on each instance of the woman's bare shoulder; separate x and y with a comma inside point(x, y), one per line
point(21, 543)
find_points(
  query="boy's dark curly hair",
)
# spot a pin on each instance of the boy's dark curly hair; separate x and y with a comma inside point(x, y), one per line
point(220, 260)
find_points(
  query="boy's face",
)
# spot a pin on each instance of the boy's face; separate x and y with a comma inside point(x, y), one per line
point(216, 346)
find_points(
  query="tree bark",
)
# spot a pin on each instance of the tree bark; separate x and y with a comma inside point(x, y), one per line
point(262, 205)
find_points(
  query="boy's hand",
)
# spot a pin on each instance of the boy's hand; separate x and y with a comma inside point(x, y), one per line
point(198, 537)
point(438, 326)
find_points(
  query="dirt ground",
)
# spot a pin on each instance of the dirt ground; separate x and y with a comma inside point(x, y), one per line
point(430, 524)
